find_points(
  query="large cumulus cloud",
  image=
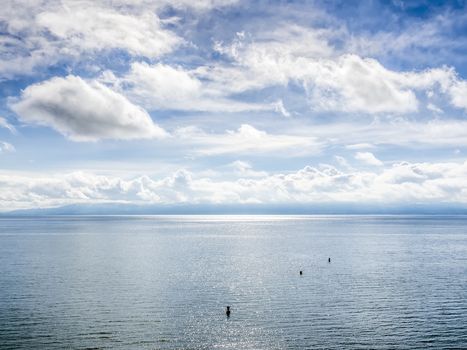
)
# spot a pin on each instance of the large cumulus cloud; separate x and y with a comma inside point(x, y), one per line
point(84, 111)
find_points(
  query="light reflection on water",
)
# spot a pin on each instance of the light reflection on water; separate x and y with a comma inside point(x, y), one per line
point(163, 282)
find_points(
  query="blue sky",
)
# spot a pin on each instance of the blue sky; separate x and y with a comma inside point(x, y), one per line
point(233, 102)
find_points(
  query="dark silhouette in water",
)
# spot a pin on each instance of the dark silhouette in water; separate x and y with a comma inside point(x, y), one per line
point(301, 272)
point(227, 311)
point(329, 260)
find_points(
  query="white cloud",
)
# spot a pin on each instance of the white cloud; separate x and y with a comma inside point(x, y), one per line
point(355, 84)
point(4, 124)
point(272, 58)
point(358, 146)
point(84, 111)
point(246, 140)
point(160, 86)
point(245, 169)
point(279, 107)
point(434, 108)
point(458, 92)
point(84, 26)
point(6, 147)
point(342, 162)
point(368, 158)
point(397, 132)
point(333, 81)
point(400, 183)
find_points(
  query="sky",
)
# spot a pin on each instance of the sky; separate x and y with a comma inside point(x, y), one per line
point(232, 102)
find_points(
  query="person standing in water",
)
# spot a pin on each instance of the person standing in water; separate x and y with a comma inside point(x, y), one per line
point(227, 311)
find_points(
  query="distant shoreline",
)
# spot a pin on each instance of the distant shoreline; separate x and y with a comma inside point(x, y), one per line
point(328, 209)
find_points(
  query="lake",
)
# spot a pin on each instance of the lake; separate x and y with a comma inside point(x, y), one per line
point(163, 282)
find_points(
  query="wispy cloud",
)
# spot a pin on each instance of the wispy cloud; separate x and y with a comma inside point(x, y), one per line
point(6, 147)
point(5, 124)
point(246, 140)
point(163, 87)
point(368, 158)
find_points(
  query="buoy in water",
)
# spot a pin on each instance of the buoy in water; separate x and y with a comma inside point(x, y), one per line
point(301, 272)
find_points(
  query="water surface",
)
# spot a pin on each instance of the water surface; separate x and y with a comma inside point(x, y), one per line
point(155, 282)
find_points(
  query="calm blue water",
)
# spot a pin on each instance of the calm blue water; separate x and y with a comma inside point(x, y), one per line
point(163, 282)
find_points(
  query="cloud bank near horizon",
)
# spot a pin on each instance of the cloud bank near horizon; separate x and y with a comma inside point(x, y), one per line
point(399, 183)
